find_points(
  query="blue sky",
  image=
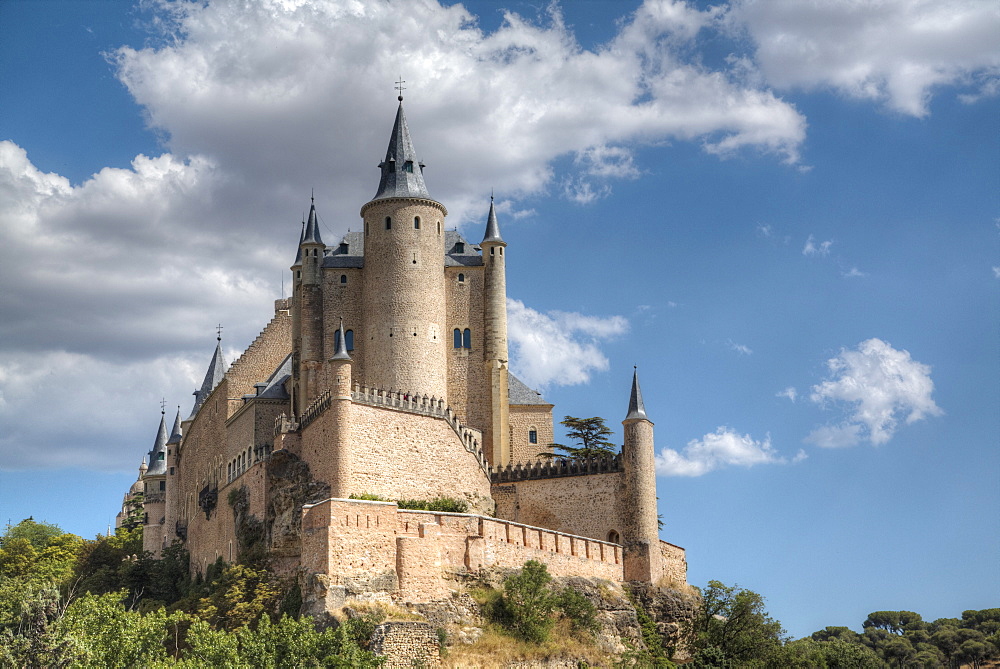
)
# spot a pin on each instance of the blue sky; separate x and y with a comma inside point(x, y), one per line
point(786, 214)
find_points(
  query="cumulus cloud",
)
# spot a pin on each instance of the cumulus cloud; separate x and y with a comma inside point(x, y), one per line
point(812, 248)
point(895, 52)
point(877, 387)
point(723, 448)
point(558, 348)
point(789, 392)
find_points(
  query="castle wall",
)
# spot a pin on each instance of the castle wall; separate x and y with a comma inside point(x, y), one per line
point(526, 417)
point(397, 455)
point(343, 300)
point(260, 359)
point(372, 547)
point(675, 564)
point(584, 505)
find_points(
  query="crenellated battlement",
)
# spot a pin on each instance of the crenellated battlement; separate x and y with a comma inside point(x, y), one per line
point(556, 468)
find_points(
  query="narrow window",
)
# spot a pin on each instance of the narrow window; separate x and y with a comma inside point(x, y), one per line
point(532, 436)
point(467, 338)
point(493, 250)
point(613, 537)
point(298, 274)
point(160, 456)
point(163, 486)
point(459, 247)
point(408, 166)
point(349, 339)
point(439, 227)
point(461, 278)
point(388, 223)
point(501, 250)
point(458, 338)
point(343, 278)
point(416, 222)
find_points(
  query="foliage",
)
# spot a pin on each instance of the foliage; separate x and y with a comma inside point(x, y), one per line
point(591, 434)
point(250, 531)
point(655, 655)
point(733, 627)
point(440, 504)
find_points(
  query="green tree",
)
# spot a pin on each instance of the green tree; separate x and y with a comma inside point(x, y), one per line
point(528, 602)
point(733, 621)
point(592, 436)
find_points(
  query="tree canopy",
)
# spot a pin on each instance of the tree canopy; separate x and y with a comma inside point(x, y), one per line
point(591, 435)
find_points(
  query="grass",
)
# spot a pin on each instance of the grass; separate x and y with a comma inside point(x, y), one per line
point(497, 649)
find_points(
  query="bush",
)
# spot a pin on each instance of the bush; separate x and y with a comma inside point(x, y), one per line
point(529, 603)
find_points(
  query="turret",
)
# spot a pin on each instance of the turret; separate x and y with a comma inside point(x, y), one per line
point(213, 376)
point(495, 340)
point(307, 314)
point(171, 503)
point(640, 532)
point(403, 346)
point(340, 455)
point(155, 495)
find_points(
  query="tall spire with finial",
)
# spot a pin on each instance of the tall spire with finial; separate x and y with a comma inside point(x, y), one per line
point(636, 409)
point(492, 227)
point(402, 172)
point(158, 454)
point(341, 352)
point(298, 249)
point(175, 433)
point(213, 376)
point(311, 233)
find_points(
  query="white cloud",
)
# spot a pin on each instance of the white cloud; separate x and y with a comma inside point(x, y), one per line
point(894, 51)
point(853, 273)
point(558, 348)
point(996, 272)
point(789, 392)
point(722, 448)
point(812, 249)
point(880, 387)
point(742, 349)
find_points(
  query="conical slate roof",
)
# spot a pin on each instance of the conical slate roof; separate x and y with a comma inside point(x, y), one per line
point(311, 234)
point(158, 455)
point(298, 249)
point(216, 370)
point(341, 352)
point(492, 227)
point(636, 410)
point(175, 433)
point(402, 173)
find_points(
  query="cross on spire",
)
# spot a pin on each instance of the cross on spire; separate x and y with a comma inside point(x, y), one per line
point(400, 87)
point(218, 332)
point(163, 405)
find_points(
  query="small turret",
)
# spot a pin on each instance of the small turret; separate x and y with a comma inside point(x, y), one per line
point(495, 353)
point(158, 454)
point(175, 432)
point(640, 533)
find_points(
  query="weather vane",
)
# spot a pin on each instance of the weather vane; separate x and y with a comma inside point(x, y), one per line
point(400, 88)
point(163, 405)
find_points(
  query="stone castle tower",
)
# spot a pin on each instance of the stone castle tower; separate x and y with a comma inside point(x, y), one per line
point(386, 375)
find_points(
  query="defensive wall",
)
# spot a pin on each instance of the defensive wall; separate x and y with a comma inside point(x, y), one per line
point(377, 549)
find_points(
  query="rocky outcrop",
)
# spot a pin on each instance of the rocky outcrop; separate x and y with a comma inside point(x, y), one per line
point(290, 486)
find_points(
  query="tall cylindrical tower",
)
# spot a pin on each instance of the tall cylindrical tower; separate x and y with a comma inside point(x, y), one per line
point(495, 357)
point(640, 530)
point(403, 343)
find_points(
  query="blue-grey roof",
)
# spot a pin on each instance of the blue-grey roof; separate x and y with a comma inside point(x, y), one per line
point(158, 464)
point(349, 253)
point(493, 228)
point(298, 249)
point(341, 352)
point(175, 433)
point(274, 387)
point(216, 370)
point(311, 234)
point(518, 393)
point(402, 173)
point(635, 406)
point(460, 253)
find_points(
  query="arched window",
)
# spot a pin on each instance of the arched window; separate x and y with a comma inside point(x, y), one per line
point(343, 278)
point(388, 223)
point(461, 278)
point(467, 338)
point(458, 338)
point(416, 222)
point(613, 537)
point(439, 227)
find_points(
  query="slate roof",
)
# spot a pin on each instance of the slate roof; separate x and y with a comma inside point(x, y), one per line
point(175, 433)
point(636, 409)
point(216, 370)
point(351, 256)
point(158, 464)
point(518, 393)
point(468, 256)
point(274, 388)
point(402, 173)
point(311, 234)
point(492, 227)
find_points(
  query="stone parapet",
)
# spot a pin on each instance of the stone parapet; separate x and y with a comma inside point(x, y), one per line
point(555, 468)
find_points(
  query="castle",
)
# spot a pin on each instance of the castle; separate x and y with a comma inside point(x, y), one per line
point(385, 377)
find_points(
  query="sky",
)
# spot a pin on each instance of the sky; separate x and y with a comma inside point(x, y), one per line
point(784, 213)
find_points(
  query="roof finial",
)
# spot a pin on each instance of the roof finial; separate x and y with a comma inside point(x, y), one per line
point(163, 404)
point(312, 196)
point(218, 332)
point(400, 87)
point(491, 195)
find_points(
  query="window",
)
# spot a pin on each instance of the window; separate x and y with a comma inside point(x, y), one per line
point(459, 247)
point(416, 222)
point(467, 338)
point(439, 227)
point(613, 537)
point(163, 486)
point(458, 338)
point(161, 455)
point(461, 278)
point(388, 223)
point(532, 436)
point(348, 340)
point(343, 248)
point(392, 165)
point(343, 278)
point(408, 166)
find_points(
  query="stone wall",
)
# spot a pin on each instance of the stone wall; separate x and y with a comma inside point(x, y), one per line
point(406, 644)
point(526, 417)
point(674, 564)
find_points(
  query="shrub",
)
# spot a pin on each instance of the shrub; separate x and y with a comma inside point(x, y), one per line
point(528, 602)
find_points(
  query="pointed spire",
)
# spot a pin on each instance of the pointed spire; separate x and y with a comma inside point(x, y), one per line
point(636, 410)
point(216, 370)
point(492, 227)
point(402, 173)
point(311, 233)
point(157, 456)
point(175, 433)
point(341, 352)
point(298, 249)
